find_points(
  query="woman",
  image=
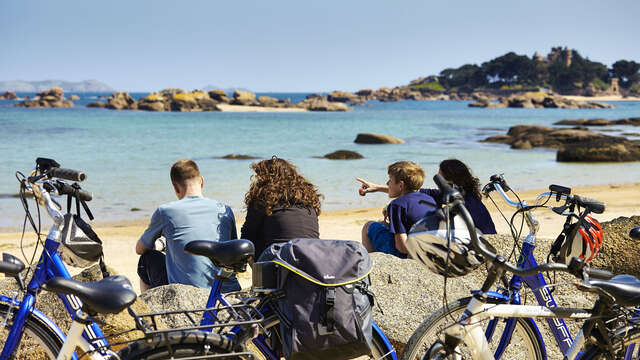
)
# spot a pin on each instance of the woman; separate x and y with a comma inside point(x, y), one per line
point(455, 172)
point(281, 205)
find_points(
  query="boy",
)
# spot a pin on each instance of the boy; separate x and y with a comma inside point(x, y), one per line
point(409, 206)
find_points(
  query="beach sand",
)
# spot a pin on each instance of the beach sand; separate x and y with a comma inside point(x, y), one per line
point(242, 108)
point(120, 237)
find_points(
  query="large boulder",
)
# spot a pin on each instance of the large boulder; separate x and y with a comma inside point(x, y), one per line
point(619, 253)
point(343, 155)
point(121, 101)
point(50, 305)
point(321, 103)
point(241, 97)
point(219, 96)
point(74, 97)
point(600, 150)
point(96, 104)
point(268, 101)
point(153, 102)
point(183, 102)
point(371, 138)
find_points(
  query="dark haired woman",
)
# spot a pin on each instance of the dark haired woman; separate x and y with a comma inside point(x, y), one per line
point(456, 172)
point(281, 205)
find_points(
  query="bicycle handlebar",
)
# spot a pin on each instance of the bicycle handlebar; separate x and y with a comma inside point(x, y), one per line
point(66, 189)
point(67, 174)
point(576, 266)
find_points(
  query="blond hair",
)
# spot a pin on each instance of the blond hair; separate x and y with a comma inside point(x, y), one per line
point(410, 173)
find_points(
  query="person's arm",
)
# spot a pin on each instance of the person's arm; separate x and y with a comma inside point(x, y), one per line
point(401, 242)
point(232, 220)
point(153, 232)
point(368, 187)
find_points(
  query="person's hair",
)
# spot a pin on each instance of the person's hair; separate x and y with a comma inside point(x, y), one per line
point(410, 173)
point(457, 172)
point(277, 183)
point(184, 170)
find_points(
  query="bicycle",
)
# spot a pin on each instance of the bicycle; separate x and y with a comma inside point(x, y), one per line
point(600, 332)
point(504, 337)
point(24, 327)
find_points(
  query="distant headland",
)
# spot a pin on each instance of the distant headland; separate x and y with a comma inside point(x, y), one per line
point(68, 86)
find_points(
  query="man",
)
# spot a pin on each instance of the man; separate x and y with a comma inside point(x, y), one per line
point(191, 217)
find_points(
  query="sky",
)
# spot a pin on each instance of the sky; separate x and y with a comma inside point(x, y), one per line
point(295, 46)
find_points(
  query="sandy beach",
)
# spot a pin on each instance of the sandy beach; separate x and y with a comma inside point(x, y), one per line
point(243, 108)
point(602, 98)
point(120, 237)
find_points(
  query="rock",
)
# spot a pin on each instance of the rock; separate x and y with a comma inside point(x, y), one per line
point(367, 94)
point(321, 104)
point(343, 97)
point(343, 155)
point(243, 98)
point(183, 102)
point(74, 97)
point(522, 145)
point(598, 105)
point(50, 305)
point(208, 104)
point(370, 138)
point(600, 150)
point(9, 95)
point(175, 297)
point(121, 101)
point(52, 98)
point(314, 96)
point(219, 95)
point(268, 101)
point(168, 93)
point(520, 102)
point(153, 102)
point(238, 157)
point(619, 253)
point(96, 104)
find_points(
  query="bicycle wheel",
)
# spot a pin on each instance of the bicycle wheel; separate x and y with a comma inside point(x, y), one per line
point(181, 345)
point(38, 341)
point(379, 350)
point(524, 343)
point(626, 345)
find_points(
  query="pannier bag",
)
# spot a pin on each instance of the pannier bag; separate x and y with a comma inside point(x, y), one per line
point(326, 308)
point(582, 239)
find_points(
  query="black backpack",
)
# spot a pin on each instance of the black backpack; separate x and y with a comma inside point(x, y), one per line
point(325, 312)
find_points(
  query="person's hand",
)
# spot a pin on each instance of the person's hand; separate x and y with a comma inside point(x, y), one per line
point(366, 187)
point(385, 215)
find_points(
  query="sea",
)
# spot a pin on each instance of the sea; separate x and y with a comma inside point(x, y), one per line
point(127, 155)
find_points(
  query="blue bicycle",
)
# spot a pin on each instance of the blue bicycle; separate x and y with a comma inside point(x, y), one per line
point(513, 338)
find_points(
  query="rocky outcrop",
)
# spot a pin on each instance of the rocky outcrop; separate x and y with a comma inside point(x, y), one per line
point(52, 98)
point(243, 98)
point(343, 155)
point(532, 100)
point(9, 95)
point(320, 103)
point(574, 145)
point(154, 102)
point(371, 138)
point(121, 101)
point(345, 97)
point(74, 97)
point(238, 157)
point(96, 104)
point(599, 122)
point(219, 96)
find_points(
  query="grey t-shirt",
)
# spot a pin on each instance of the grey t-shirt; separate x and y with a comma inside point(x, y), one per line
point(182, 221)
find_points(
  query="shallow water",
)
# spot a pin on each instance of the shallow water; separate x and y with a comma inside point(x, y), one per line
point(127, 154)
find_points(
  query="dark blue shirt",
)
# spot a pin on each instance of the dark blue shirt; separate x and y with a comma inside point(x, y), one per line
point(407, 210)
point(478, 211)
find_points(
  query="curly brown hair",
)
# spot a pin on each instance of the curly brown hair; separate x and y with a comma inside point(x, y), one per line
point(458, 173)
point(277, 183)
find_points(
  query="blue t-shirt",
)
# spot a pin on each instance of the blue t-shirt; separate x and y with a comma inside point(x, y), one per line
point(182, 221)
point(478, 211)
point(407, 210)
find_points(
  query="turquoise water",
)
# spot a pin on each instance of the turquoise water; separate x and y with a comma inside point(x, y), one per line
point(127, 154)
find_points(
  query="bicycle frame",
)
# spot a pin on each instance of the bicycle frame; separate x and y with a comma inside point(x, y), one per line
point(50, 265)
point(217, 298)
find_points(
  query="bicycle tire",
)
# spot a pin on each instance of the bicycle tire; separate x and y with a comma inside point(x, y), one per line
point(179, 344)
point(379, 349)
point(427, 334)
point(38, 340)
point(626, 341)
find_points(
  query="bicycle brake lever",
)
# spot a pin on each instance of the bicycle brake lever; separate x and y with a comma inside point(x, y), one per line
point(559, 209)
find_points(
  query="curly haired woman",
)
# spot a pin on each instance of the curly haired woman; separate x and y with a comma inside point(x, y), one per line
point(281, 205)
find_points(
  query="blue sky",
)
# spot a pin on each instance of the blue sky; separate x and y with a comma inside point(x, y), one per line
point(295, 45)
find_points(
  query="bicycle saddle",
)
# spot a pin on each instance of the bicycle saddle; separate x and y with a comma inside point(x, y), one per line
point(109, 295)
point(11, 265)
point(232, 254)
point(625, 289)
